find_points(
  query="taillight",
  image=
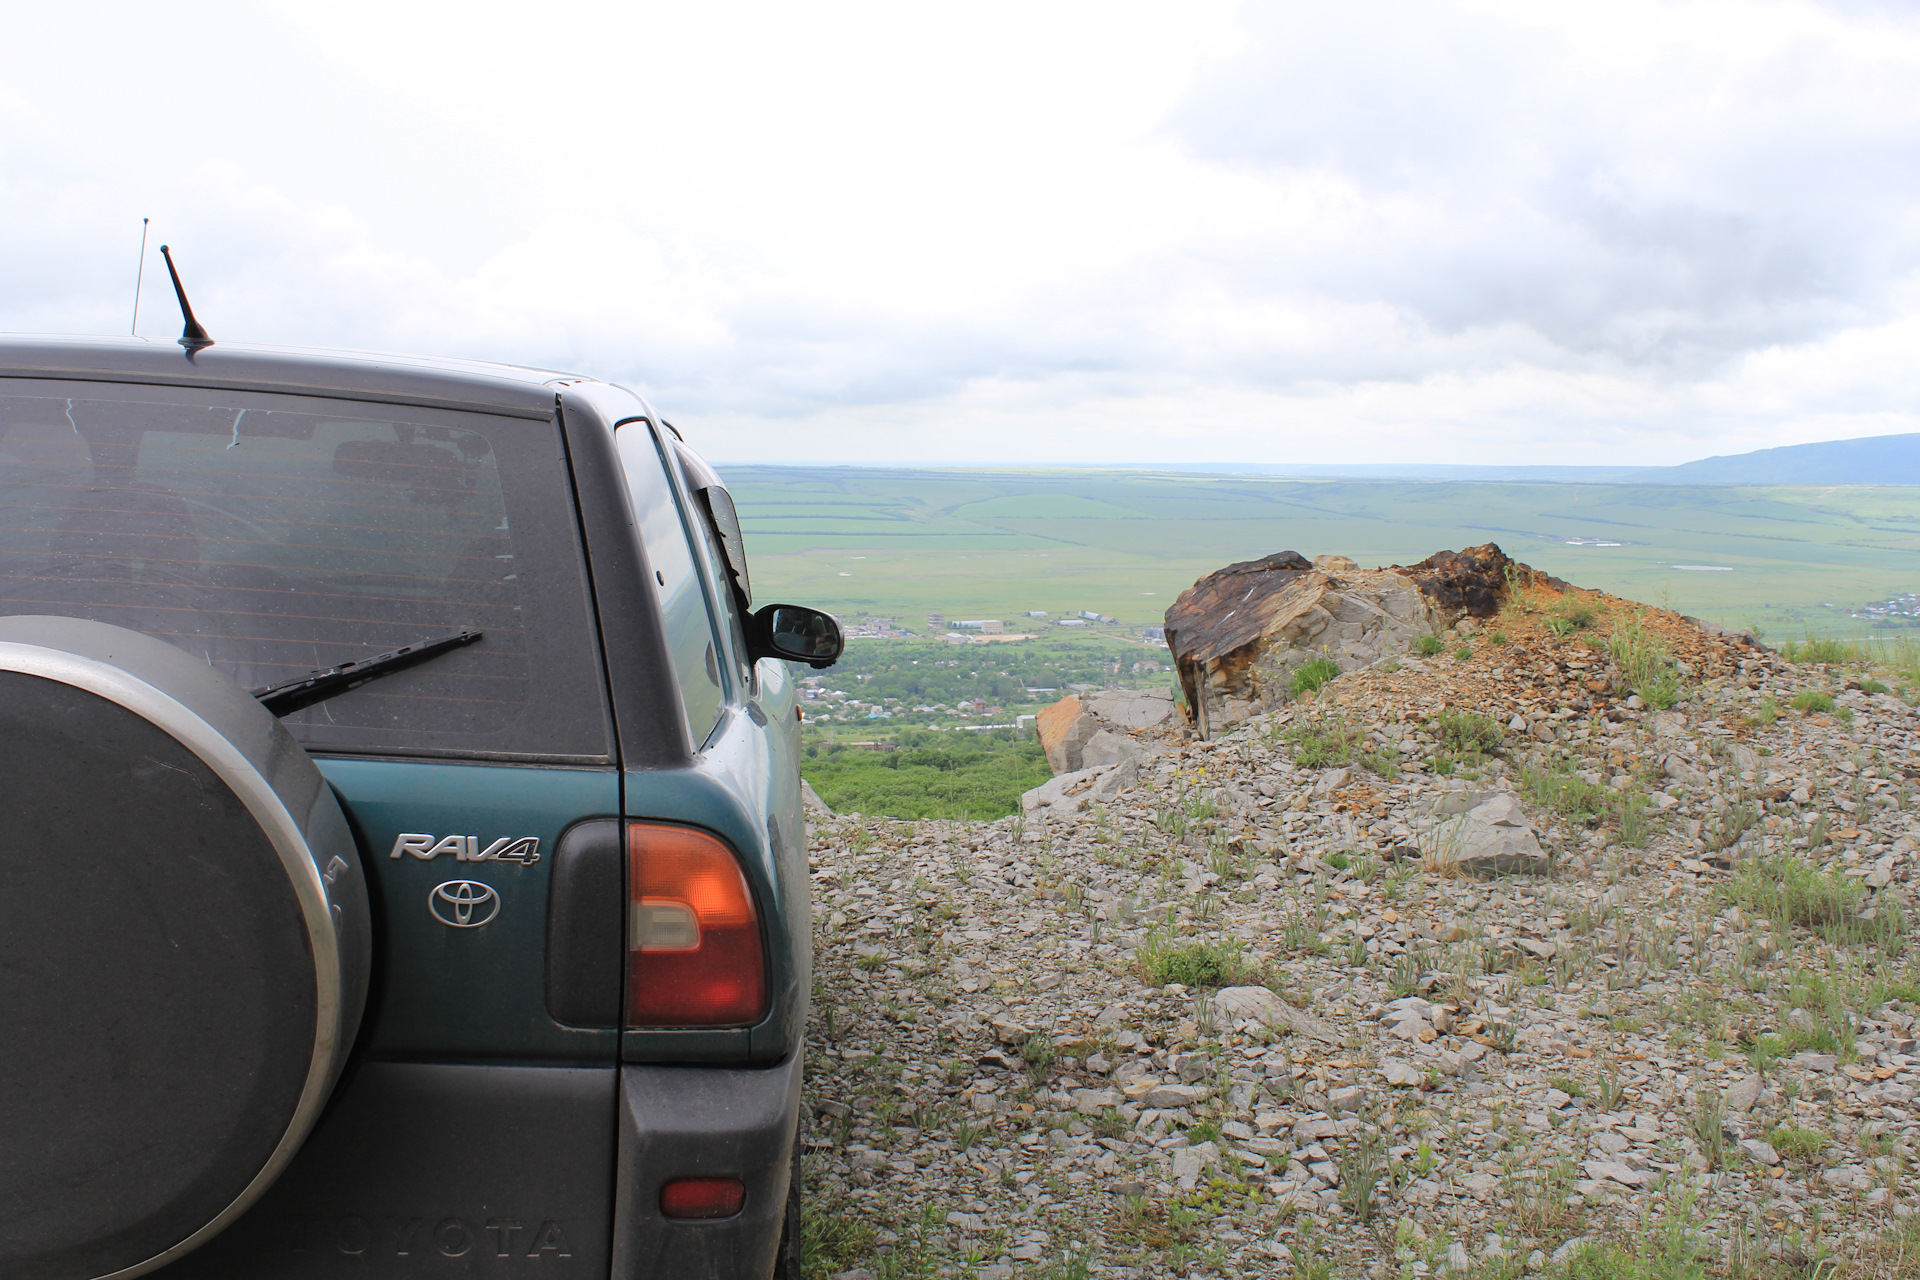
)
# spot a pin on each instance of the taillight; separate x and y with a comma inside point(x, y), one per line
point(693, 938)
point(702, 1198)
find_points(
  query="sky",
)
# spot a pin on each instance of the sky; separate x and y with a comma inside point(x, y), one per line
point(1110, 233)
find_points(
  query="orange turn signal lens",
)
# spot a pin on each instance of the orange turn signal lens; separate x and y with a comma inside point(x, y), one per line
point(693, 937)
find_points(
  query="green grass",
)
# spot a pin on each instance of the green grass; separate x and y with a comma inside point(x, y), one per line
point(1812, 700)
point(1824, 650)
point(1310, 677)
point(1570, 615)
point(1785, 889)
point(1645, 665)
point(1468, 733)
point(964, 777)
point(1428, 646)
point(987, 542)
point(1797, 1144)
point(1330, 743)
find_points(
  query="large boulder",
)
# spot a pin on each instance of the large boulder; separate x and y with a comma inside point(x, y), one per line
point(1084, 733)
point(1239, 634)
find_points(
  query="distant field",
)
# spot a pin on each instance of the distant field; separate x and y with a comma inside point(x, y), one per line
point(991, 543)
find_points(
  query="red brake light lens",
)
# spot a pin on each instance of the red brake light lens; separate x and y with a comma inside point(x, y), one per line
point(703, 1198)
point(694, 957)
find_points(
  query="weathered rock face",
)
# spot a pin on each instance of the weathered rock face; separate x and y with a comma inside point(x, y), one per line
point(1239, 633)
point(1063, 733)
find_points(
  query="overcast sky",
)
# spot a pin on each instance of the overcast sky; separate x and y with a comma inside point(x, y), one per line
point(1417, 232)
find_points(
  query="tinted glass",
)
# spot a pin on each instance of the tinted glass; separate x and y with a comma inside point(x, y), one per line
point(683, 602)
point(274, 535)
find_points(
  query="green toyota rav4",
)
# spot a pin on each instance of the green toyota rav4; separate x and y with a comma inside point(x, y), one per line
point(403, 870)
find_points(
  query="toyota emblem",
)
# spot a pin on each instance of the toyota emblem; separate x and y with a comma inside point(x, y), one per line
point(464, 904)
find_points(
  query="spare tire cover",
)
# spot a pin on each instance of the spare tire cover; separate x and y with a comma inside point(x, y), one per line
point(183, 949)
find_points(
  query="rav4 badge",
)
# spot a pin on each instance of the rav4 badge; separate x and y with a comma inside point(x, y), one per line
point(524, 850)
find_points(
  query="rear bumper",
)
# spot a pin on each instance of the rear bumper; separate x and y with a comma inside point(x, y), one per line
point(690, 1122)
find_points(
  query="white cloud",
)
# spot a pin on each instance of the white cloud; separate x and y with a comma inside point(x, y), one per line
point(1462, 232)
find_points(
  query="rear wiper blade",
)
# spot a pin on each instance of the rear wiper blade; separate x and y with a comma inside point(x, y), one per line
point(317, 686)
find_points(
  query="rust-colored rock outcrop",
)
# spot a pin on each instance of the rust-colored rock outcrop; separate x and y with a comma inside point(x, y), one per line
point(1238, 634)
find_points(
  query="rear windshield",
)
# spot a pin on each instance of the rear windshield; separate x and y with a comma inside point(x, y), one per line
point(273, 535)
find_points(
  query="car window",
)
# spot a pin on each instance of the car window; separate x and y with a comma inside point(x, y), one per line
point(273, 535)
point(691, 637)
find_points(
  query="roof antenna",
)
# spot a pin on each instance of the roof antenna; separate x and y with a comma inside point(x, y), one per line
point(193, 336)
point(139, 275)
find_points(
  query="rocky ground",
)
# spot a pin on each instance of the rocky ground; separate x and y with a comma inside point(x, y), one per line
point(1576, 947)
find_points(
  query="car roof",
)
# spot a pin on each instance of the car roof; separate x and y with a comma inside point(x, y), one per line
point(318, 371)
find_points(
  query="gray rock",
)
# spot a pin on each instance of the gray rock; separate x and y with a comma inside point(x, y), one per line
point(1064, 791)
point(1453, 803)
point(1171, 1097)
point(1615, 1171)
point(1190, 1162)
point(1332, 780)
point(1401, 1075)
point(810, 800)
point(1492, 838)
point(1232, 1004)
point(1106, 747)
point(1133, 709)
point(1742, 1094)
point(1760, 1152)
point(1010, 1033)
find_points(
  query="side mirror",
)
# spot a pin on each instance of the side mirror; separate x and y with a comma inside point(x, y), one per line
point(796, 633)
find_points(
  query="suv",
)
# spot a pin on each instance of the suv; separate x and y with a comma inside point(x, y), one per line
point(404, 870)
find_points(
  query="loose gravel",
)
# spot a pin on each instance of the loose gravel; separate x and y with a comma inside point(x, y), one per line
point(1236, 1019)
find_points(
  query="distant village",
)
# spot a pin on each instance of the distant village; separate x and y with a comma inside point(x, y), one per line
point(998, 686)
point(1895, 610)
point(1025, 626)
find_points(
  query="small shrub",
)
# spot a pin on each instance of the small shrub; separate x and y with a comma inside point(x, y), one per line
point(1428, 646)
point(1572, 615)
point(1769, 710)
point(1466, 733)
point(1464, 652)
point(1195, 964)
point(1567, 792)
point(1497, 638)
point(1310, 676)
point(1873, 686)
point(1812, 700)
point(1326, 745)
